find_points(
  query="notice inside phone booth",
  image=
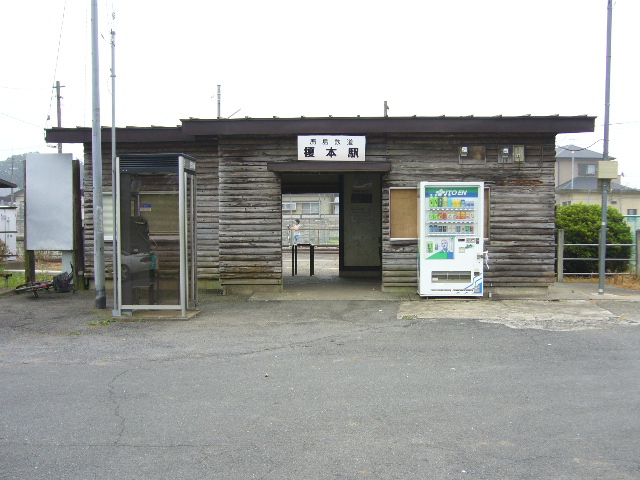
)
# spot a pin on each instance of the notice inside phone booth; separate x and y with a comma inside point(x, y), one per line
point(451, 256)
point(155, 239)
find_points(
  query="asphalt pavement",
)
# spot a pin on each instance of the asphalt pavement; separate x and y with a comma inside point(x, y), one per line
point(330, 379)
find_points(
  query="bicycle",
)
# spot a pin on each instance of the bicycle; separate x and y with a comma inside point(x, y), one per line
point(62, 283)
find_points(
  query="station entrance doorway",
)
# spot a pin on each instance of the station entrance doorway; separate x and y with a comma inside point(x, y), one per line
point(346, 232)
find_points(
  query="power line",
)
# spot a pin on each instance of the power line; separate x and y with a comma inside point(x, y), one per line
point(23, 88)
point(579, 149)
point(55, 70)
point(23, 121)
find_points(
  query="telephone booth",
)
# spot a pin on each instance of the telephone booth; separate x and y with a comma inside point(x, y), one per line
point(155, 264)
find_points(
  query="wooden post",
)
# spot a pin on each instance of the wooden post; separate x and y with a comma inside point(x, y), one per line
point(29, 265)
point(78, 240)
point(560, 256)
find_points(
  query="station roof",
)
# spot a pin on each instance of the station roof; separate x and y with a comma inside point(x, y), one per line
point(7, 184)
point(194, 127)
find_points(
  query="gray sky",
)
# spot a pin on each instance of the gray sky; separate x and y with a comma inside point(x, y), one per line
point(340, 58)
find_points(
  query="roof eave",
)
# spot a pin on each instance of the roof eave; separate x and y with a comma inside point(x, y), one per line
point(364, 125)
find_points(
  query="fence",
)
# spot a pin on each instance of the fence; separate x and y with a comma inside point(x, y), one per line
point(560, 259)
point(316, 236)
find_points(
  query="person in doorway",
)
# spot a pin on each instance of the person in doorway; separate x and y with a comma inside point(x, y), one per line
point(296, 232)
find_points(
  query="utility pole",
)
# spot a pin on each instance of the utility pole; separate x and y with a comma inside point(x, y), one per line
point(96, 159)
point(605, 156)
point(58, 97)
point(219, 115)
point(116, 246)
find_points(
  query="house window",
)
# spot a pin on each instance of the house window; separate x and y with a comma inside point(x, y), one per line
point(310, 208)
point(288, 206)
point(587, 169)
point(632, 211)
point(564, 204)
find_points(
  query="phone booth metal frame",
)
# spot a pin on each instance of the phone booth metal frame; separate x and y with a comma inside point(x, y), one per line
point(155, 241)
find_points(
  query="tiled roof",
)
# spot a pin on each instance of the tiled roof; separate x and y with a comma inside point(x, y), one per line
point(569, 151)
point(591, 184)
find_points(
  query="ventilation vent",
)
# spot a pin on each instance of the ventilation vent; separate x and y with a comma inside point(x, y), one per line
point(162, 163)
point(451, 277)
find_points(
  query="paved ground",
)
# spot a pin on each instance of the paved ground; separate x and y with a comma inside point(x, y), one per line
point(331, 379)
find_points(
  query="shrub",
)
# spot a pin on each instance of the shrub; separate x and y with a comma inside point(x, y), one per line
point(581, 224)
point(4, 250)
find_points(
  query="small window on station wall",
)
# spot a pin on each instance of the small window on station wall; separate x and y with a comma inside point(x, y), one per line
point(403, 213)
point(107, 216)
point(161, 211)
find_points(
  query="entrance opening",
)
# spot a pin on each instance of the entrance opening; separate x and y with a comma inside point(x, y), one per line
point(340, 224)
point(311, 220)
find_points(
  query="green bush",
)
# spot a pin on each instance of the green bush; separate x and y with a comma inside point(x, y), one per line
point(4, 250)
point(581, 224)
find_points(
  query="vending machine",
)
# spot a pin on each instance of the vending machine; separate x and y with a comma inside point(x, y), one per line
point(451, 248)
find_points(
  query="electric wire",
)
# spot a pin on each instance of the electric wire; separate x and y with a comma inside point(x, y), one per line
point(579, 149)
point(19, 120)
point(55, 70)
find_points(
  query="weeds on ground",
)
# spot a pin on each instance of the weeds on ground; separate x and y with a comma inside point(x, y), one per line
point(18, 278)
point(104, 322)
point(632, 282)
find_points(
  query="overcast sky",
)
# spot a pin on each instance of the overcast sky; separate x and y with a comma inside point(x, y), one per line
point(340, 58)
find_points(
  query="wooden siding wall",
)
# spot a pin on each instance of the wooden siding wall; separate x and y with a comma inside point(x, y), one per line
point(239, 203)
point(251, 211)
point(521, 242)
point(205, 151)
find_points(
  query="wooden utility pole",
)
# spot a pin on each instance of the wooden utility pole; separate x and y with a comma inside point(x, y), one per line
point(58, 98)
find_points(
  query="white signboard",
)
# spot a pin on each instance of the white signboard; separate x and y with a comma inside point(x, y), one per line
point(49, 201)
point(331, 147)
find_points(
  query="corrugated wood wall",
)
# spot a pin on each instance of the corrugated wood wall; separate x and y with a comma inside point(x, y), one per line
point(251, 209)
point(205, 151)
point(522, 209)
point(239, 203)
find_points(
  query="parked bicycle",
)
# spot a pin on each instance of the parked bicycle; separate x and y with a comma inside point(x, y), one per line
point(62, 283)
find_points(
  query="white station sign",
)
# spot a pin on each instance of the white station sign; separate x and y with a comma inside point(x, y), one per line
point(332, 147)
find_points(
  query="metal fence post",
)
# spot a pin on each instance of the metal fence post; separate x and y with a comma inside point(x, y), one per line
point(560, 255)
point(637, 253)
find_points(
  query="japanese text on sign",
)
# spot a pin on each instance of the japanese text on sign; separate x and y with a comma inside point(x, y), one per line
point(331, 147)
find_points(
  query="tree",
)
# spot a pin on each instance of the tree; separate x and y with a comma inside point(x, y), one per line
point(581, 224)
point(12, 169)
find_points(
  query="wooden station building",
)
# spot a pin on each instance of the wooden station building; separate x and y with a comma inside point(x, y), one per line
point(245, 166)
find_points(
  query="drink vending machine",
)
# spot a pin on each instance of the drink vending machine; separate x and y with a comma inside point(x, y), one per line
point(451, 246)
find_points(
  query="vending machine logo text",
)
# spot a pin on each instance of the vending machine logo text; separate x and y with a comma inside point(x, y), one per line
point(450, 193)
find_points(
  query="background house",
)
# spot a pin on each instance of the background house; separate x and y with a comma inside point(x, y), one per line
point(577, 182)
point(318, 214)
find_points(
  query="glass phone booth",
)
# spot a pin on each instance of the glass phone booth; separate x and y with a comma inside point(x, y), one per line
point(155, 248)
